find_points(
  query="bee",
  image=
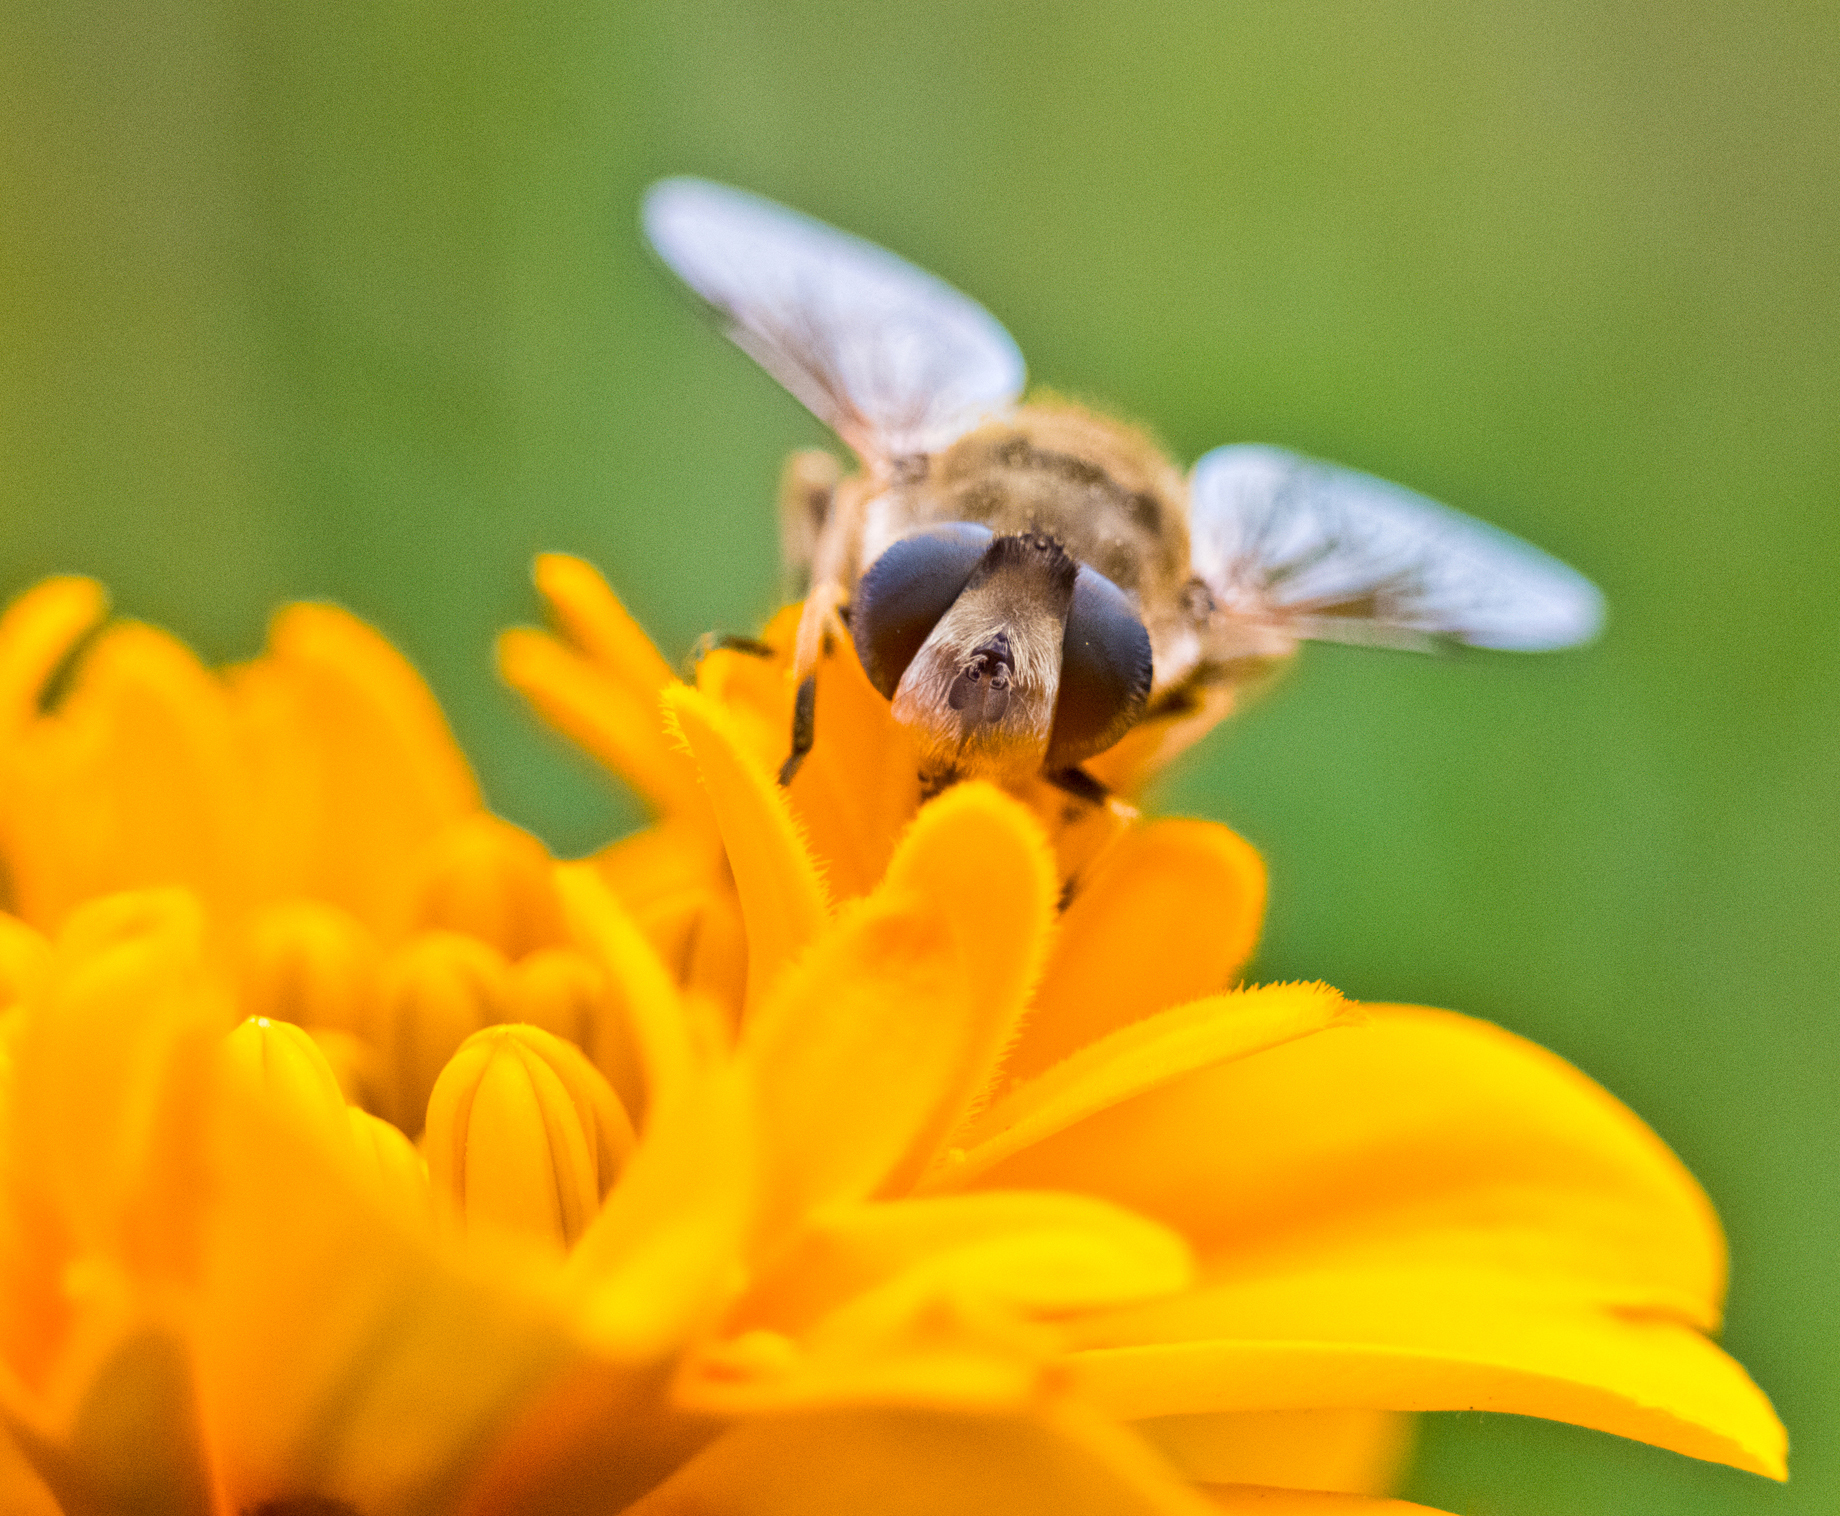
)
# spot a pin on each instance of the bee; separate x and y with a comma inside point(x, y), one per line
point(1034, 585)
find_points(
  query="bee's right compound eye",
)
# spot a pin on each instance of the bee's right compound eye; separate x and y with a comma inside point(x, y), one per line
point(900, 600)
point(1105, 672)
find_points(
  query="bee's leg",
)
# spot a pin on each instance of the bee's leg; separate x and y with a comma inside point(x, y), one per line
point(817, 626)
point(734, 642)
point(804, 727)
point(807, 489)
point(1079, 784)
point(724, 642)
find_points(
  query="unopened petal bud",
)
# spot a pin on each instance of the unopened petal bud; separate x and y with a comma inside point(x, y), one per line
point(523, 1135)
point(487, 878)
point(310, 963)
point(390, 1162)
point(560, 990)
point(281, 1066)
point(566, 993)
point(438, 989)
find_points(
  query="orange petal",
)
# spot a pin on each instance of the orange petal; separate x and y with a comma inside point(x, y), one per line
point(782, 897)
point(668, 857)
point(22, 1492)
point(1431, 1339)
point(1035, 1251)
point(1082, 835)
point(653, 1021)
point(590, 615)
point(757, 692)
point(136, 781)
point(400, 1367)
point(979, 857)
point(894, 1347)
point(702, 938)
point(1426, 1211)
point(25, 957)
point(106, 1188)
point(310, 963)
point(876, 1042)
point(37, 631)
point(673, 877)
point(1169, 915)
point(356, 1065)
point(135, 1443)
point(1135, 1059)
point(485, 877)
point(1057, 1462)
point(616, 726)
point(389, 1165)
point(860, 784)
point(1356, 1452)
point(659, 1261)
point(357, 768)
point(111, 1064)
point(1417, 1134)
point(564, 991)
point(437, 989)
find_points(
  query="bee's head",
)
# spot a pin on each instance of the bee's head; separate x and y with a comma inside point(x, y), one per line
point(1004, 655)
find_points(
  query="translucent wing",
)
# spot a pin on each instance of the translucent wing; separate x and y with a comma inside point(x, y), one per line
point(894, 360)
point(1333, 554)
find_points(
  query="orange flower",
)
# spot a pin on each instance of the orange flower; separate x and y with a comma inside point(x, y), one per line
point(314, 802)
point(1412, 1211)
point(809, 1150)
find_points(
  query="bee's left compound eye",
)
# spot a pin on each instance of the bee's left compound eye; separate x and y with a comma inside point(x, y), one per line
point(1105, 672)
point(900, 600)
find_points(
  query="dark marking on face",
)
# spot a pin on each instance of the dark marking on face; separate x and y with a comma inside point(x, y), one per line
point(981, 690)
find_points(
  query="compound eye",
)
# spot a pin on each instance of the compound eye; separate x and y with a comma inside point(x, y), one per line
point(1105, 672)
point(900, 600)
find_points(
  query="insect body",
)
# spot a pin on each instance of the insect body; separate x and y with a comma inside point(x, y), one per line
point(1029, 584)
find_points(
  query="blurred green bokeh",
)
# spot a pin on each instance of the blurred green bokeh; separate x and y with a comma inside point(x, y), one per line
point(345, 299)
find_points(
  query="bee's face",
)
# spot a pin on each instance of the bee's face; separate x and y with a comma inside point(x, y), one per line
point(1003, 654)
point(1026, 584)
point(1015, 588)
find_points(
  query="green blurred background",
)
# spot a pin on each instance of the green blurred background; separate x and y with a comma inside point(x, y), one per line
point(345, 299)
